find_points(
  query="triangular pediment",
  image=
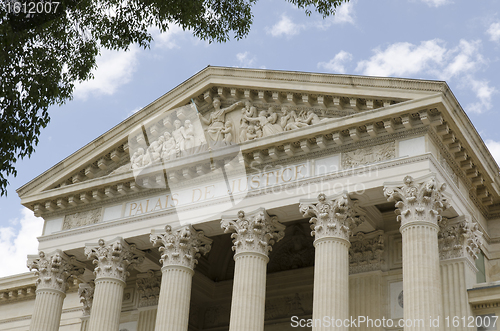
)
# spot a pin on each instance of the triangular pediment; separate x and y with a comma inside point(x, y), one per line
point(266, 113)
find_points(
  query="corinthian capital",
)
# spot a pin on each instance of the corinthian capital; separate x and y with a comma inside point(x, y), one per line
point(334, 216)
point(417, 200)
point(54, 269)
point(255, 232)
point(180, 247)
point(458, 238)
point(113, 258)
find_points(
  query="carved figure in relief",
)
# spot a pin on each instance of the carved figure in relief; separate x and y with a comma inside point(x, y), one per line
point(216, 120)
point(168, 149)
point(290, 120)
point(266, 123)
point(309, 118)
point(137, 158)
point(248, 111)
point(189, 138)
point(178, 135)
point(155, 149)
point(228, 132)
point(250, 135)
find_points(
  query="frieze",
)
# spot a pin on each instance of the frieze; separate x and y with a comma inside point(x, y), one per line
point(368, 155)
point(82, 218)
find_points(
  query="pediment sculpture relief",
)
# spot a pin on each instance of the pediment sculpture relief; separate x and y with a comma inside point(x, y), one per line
point(184, 131)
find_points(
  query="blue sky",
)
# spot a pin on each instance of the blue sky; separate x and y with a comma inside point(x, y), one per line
point(457, 41)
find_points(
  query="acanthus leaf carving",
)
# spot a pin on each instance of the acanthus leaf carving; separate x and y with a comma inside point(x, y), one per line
point(366, 252)
point(334, 216)
point(417, 201)
point(182, 246)
point(459, 238)
point(148, 288)
point(256, 232)
point(86, 294)
point(54, 269)
point(112, 259)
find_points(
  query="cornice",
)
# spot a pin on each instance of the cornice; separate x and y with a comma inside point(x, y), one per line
point(182, 93)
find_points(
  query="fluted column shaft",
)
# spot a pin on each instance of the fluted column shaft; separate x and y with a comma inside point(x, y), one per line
point(53, 271)
point(48, 308)
point(420, 203)
point(253, 236)
point(421, 276)
point(249, 292)
point(180, 250)
point(147, 319)
point(85, 323)
point(112, 260)
point(107, 305)
point(331, 281)
point(333, 218)
point(175, 295)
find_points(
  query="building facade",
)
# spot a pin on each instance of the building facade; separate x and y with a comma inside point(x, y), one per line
point(249, 200)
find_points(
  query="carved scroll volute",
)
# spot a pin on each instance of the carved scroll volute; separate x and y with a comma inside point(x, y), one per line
point(334, 216)
point(112, 259)
point(255, 232)
point(417, 200)
point(54, 269)
point(182, 246)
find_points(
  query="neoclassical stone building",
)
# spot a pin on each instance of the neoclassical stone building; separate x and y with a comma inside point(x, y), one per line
point(249, 200)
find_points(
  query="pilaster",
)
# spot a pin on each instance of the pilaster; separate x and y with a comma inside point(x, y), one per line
point(148, 290)
point(459, 241)
point(253, 236)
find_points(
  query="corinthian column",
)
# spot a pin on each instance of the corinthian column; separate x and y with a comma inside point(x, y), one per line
point(458, 240)
point(112, 260)
point(180, 250)
point(253, 237)
point(53, 270)
point(332, 220)
point(419, 204)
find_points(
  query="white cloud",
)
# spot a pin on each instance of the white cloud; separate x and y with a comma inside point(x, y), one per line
point(494, 147)
point(344, 14)
point(336, 64)
point(462, 59)
point(494, 31)
point(17, 242)
point(436, 3)
point(115, 68)
point(245, 59)
point(484, 93)
point(169, 39)
point(432, 59)
point(403, 59)
point(285, 27)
